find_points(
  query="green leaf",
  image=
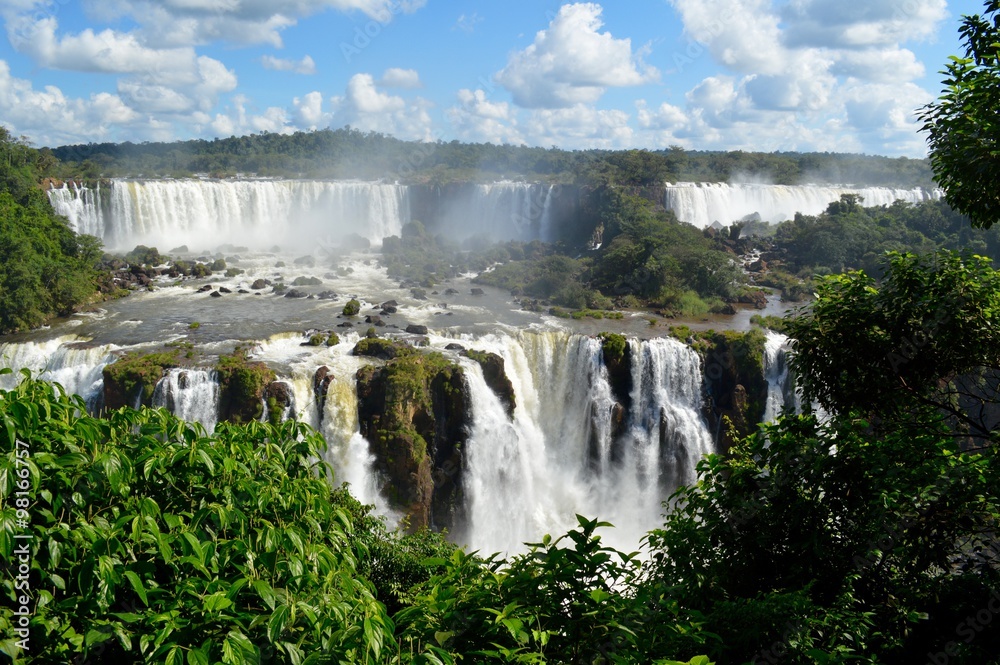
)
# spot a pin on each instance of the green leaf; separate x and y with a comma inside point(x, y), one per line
point(137, 586)
point(276, 624)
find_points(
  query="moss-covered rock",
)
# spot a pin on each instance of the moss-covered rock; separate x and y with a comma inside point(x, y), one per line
point(383, 349)
point(415, 413)
point(241, 387)
point(496, 377)
point(130, 380)
point(617, 355)
point(734, 374)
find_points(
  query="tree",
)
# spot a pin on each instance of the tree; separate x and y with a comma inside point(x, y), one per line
point(925, 338)
point(963, 126)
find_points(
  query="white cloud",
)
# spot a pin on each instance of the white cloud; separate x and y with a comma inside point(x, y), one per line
point(572, 63)
point(480, 120)
point(836, 24)
point(304, 66)
point(52, 118)
point(308, 111)
point(394, 77)
point(801, 73)
point(194, 22)
point(467, 22)
point(365, 107)
point(580, 126)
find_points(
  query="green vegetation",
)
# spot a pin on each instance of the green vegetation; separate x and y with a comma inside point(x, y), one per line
point(241, 386)
point(333, 339)
point(614, 346)
point(961, 127)
point(352, 308)
point(132, 378)
point(307, 281)
point(350, 153)
point(925, 337)
point(155, 543)
point(194, 325)
point(45, 269)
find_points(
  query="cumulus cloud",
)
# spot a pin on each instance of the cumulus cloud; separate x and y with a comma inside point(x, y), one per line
point(365, 107)
point(580, 126)
point(52, 118)
point(800, 72)
point(572, 63)
point(304, 66)
point(480, 120)
point(394, 77)
point(195, 22)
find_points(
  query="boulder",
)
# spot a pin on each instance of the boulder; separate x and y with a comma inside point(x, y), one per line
point(454, 346)
point(258, 284)
point(416, 329)
point(207, 287)
point(295, 293)
point(215, 294)
point(223, 289)
point(478, 292)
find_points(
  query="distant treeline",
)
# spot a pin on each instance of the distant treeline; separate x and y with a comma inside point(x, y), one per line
point(350, 153)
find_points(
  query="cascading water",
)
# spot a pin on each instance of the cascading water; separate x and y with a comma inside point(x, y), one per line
point(504, 210)
point(63, 360)
point(703, 203)
point(781, 393)
point(206, 213)
point(558, 457)
point(191, 395)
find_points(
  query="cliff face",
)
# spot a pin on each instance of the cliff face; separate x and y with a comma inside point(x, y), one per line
point(414, 411)
point(735, 384)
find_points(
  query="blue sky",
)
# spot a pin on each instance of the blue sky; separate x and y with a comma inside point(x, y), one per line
point(767, 75)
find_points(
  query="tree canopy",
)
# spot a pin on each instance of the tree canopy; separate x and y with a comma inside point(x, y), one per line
point(962, 124)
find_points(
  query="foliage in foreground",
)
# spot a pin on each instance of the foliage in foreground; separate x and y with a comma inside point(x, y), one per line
point(825, 544)
point(154, 543)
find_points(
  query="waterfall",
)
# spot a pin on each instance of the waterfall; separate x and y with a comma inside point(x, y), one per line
point(504, 210)
point(63, 360)
point(701, 204)
point(191, 395)
point(347, 451)
point(781, 393)
point(261, 213)
point(559, 455)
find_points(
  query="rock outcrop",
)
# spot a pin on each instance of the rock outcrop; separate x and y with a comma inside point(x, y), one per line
point(415, 412)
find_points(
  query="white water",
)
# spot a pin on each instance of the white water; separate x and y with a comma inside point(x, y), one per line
point(63, 360)
point(305, 214)
point(513, 211)
point(781, 393)
point(558, 458)
point(701, 204)
point(190, 394)
point(260, 213)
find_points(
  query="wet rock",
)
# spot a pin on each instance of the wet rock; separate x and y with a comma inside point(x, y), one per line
point(386, 311)
point(295, 293)
point(496, 377)
point(244, 291)
point(451, 292)
point(416, 329)
point(478, 292)
point(223, 289)
point(454, 346)
point(215, 294)
point(390, 303)
point(258, 284)
point(375, 321)
point(326, 295)
point(345, 324)
point(207, 287)
point(419, 294)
